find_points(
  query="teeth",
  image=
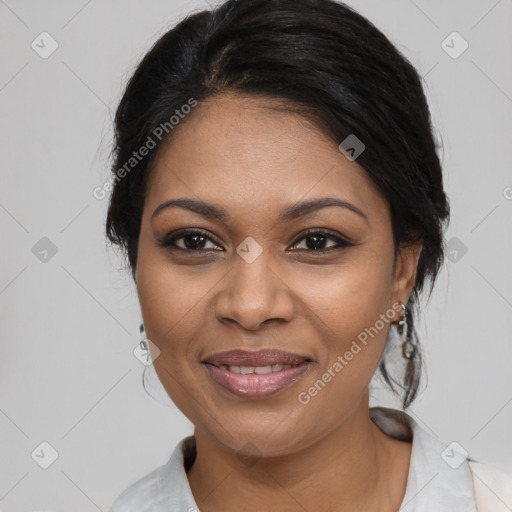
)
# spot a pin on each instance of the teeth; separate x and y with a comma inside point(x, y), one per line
point(260, 370)
point(263, 369)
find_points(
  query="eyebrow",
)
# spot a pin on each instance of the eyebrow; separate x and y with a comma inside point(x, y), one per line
point(294, 211)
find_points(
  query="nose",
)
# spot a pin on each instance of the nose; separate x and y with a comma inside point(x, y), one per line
point(253, 293)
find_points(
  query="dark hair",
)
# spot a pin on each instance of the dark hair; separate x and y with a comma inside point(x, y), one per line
point(325, 61)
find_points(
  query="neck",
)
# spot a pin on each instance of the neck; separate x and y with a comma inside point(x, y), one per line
point(344, 470)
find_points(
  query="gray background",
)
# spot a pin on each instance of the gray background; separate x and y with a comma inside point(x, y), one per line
point(69, 324)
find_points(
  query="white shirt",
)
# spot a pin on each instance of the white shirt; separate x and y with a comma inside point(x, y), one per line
point(440, 479)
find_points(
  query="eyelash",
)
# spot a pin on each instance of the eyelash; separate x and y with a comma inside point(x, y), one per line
point(169, 241)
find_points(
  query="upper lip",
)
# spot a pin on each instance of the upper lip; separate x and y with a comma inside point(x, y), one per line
point(264, 357)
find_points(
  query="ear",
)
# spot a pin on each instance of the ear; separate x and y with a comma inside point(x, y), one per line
point(406, 268)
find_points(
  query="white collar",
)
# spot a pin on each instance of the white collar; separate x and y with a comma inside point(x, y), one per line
point(432, 485)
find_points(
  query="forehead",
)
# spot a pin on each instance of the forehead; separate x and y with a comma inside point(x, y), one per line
point(244, 153)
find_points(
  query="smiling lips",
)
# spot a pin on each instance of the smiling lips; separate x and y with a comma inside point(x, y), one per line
point(256, 374)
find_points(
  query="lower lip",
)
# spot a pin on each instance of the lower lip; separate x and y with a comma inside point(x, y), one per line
point(255, 385)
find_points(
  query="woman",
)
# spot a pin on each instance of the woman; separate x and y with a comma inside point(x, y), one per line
point(278, 194)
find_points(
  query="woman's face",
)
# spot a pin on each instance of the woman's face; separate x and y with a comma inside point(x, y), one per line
point(254, 279)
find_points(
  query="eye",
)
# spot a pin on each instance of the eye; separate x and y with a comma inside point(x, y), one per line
point(195, 240)
point(316, 240)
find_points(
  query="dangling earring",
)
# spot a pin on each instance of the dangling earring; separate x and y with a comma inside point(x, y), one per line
point(144, 345)
point(407, 347)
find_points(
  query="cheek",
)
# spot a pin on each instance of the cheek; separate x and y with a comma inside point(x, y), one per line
point(171, 296)
point(351, 296)
point(170, 306)
point(359, 319)
point(353, 311)
point(171, 309)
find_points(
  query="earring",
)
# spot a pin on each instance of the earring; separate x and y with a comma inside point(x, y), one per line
point(143, 342)
point(407, 347)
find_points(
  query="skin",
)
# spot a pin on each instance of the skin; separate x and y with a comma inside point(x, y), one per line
point(273, 453)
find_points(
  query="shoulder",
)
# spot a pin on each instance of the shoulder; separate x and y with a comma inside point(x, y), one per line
point(143, 495)
point(493, 487)
point(165, 488)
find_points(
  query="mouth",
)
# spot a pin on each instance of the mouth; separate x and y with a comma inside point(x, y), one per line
point(256, 374)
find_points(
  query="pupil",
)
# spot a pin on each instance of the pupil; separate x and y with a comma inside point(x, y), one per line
point(317, 244)
point(197, 240)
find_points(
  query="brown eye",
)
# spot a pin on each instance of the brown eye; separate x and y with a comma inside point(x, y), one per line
point(318, 240)
point(189, 240)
